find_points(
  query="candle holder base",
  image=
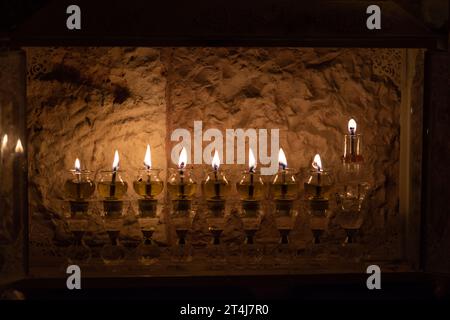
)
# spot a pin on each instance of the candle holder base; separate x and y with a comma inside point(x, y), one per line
point(181, 251)
point(283, 207)
point(215, 233)
point(284, 235)
point(113, 208)
point(78, 252)
point(113, 253)
point(250, 208)
point(216, 206)
point(147, 207)
point(319, 205)
point(148, 251)
point(181, 235)
point(350, 236)
point(216, 254)
point(284, 252)
point(250, 236)
point(318, 211)
point(182, 206)
point(317, 234)
point(78, 208)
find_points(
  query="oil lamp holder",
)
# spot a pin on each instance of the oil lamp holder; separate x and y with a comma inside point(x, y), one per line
point(113, 208)
point(284, 250)
point(251, 224)
point(181, 206)
point(216, 234)
point(216, 224)
point(251, 252)
point(285, 224)
point(148, 186)
point(181, 188)
point(352, 149)
point(317, 191)
point(148, 207)
point(215, 189)
point(112, 188)
point(216, 207)
point(350, 213)
point(318, 211)
point(113, 253)
point(353, 188)
point(251, 208)
point(78, 252)
point(79, 188)
point(148, 251)
point(78, 207)
point(251, 192)
point(215, 250)
point(283, 207)
point(182, 224)
point(284, 191)
point(351, 235)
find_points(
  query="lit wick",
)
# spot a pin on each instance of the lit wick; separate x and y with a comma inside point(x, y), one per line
point(317, 164)
point(78, 175)
point(283, 164)
point(112, 187)
point(251, 170)
point(148, 166)
point(352, 131)
point(19, 148)
point(215, 164)
point(182, 160)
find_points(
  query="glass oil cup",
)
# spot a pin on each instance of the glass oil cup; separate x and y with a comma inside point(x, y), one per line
point(79, 188)
point(148, 185)
point(112, 188)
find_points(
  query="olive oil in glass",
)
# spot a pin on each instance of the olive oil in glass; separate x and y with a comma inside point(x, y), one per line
point(79, 186)
point(111, 185)
point(148, 184)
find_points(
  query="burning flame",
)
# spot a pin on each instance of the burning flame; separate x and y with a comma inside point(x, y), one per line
point(4, 142)
point(148, 158)
point(317, 163)
point(116, 161)
point(182, 160)
point(19, 147)
point(77, 165)
point(251, 160)
point(216, 160)
point(352, 126)
point(282, 159)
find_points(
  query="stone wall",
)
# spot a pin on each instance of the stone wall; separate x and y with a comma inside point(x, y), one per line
point(86, 102)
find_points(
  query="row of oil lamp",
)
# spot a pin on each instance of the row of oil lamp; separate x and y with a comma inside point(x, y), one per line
point(181, 186)
point(215, 189)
